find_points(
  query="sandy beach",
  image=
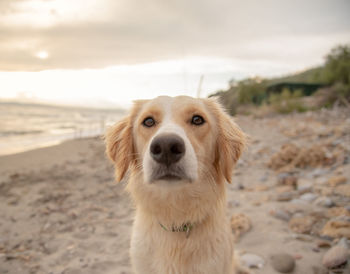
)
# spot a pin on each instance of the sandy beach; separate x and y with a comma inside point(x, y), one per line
point(62, 213)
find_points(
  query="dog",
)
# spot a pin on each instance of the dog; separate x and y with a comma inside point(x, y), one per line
point(177, 153)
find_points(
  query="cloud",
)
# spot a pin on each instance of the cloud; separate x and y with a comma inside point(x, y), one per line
point(98, 34)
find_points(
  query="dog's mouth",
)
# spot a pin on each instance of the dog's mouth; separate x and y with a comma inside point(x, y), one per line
point(170, 177)
point(171, 174)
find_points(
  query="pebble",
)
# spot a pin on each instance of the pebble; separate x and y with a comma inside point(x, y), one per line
point(343, 190)
point(308, 197)
point(317, 173)
point(319, 270)
point(337, 180)
point(287, 179)
point(240, 224)
point(335, 256)
point(337, 227)
point(323, 244)
point(324, 202)
point(301, 224)
point(252, 261)
point(304, 189)
point(344, 243)
point(281, 214)
point(285, 196)
point(299, 201)
point(283, 263)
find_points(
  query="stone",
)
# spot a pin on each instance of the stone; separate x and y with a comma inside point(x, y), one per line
point(304, 189)
point(323, 244)
point(343, 190)
point(283, 262)
point(319, 270)
point(283, 189)
point(285, 196)
point(344, 242)
point(286, 179)
point(324, 202)
point(264, 178)
point(337, 211)
point(308, 197)
point(318, 172)
point(299, 201)
point(337, 227)
point(301, 225)
point(260, 188)
point(252, 261)
point(335, 257)
point(324, 190)
point(281, 214)
point(336, 180)
point(240, 224)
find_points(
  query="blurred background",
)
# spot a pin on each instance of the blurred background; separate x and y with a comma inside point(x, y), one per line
point(69, 69)
point(104, 54)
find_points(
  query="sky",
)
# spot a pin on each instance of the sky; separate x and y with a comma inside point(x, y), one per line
point(110, 52)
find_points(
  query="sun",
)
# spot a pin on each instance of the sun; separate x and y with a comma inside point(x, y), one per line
point(42, 54)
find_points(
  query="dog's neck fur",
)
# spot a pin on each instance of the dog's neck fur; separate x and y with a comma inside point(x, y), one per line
point(175, 208)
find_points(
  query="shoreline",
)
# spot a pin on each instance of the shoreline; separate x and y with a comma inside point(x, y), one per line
point(46, 155)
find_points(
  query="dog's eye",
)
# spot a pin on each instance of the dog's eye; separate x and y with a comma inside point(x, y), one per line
point(197, 120)
point(148, 122)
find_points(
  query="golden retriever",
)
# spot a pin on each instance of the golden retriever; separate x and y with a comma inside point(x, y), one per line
point(178, 152)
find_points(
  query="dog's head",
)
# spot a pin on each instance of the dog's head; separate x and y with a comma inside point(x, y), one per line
point(175, 141)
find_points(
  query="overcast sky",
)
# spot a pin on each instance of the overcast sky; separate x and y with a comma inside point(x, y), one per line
point(119, 50)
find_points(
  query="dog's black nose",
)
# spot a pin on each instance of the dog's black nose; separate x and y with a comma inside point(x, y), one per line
point(167, 149)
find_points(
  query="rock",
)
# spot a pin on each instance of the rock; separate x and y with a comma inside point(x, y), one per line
point(323, 244)
point(301, 224)
point(281, 214)
point(240, 224)
point(304, 189)
point(337, 227)
point(324, 202)
point(264, 178)
point(343, 190)
point(337, 211)
point(318, 172)
point(336, 180)
point(260, 188)
point(324, 190)
point(319, 270)
point(252, 261)
point(335, 256)
point(299, 202)
point(283, 262)
point(308, 197)
point(285, 196)
point(283, 189)
point(285, 179)
point(344, 243)
point(303, 238)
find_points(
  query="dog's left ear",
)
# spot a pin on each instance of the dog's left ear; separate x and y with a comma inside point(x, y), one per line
point(119, 146)
point(230, 141)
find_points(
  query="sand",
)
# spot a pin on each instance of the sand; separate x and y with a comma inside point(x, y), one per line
point(62, 212)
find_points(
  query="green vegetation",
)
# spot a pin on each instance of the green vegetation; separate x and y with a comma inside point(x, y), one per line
point(330, 82)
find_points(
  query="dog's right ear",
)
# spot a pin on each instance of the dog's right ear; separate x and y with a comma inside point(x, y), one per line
point(119, 146)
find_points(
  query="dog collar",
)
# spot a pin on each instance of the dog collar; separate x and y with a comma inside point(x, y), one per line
point(186, 227)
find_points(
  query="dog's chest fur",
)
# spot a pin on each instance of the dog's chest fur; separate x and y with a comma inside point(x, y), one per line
point(156, 251)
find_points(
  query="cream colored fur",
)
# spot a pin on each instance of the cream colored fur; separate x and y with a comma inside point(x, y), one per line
point(212, 149)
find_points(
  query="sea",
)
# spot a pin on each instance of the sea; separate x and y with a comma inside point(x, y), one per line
point(27, 126)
